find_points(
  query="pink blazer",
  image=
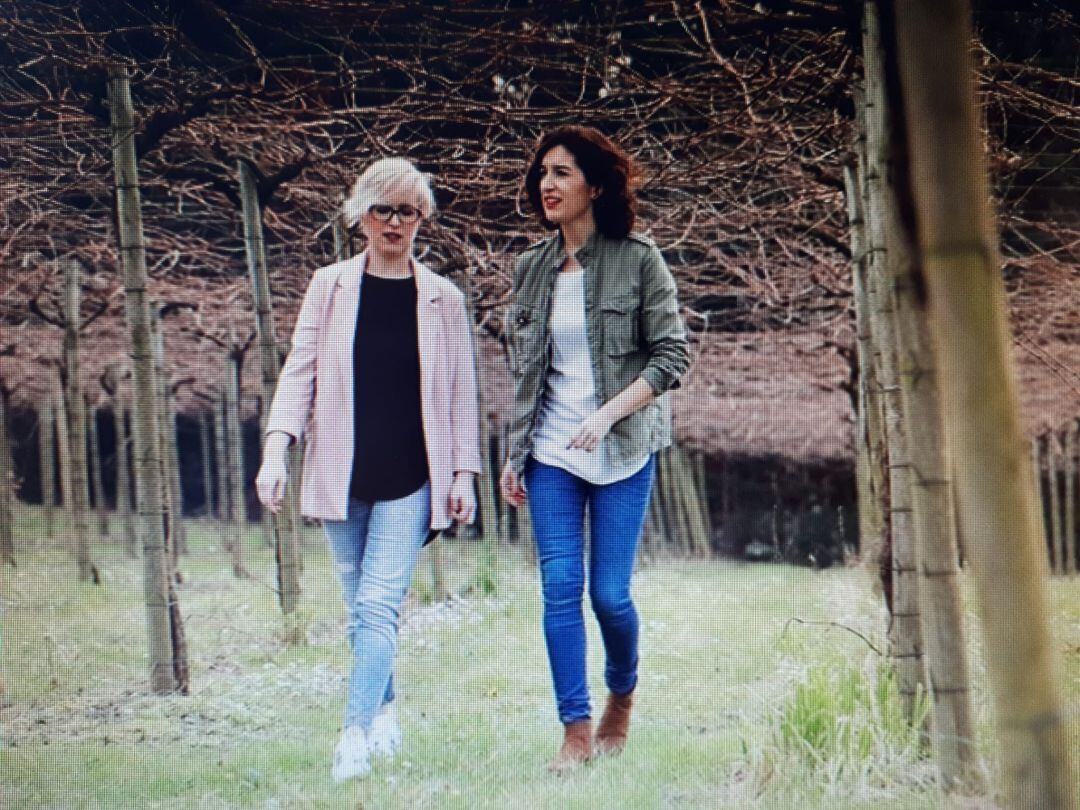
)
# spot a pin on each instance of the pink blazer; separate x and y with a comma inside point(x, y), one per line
point(314, 394)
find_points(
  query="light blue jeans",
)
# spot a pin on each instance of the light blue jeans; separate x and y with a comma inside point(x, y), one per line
point(375, 551)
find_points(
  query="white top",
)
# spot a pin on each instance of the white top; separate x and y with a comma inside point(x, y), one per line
point(570, 393)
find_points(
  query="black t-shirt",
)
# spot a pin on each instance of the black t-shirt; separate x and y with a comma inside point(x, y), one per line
point(390, 457)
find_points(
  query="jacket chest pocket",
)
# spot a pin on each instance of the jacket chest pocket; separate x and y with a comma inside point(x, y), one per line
point(619, 320)
point(526, 335)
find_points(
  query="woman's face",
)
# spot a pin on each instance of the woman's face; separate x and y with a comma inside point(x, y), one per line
point(390, 226)
point(564, 192)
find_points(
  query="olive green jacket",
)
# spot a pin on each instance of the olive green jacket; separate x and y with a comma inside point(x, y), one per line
point(633, 327)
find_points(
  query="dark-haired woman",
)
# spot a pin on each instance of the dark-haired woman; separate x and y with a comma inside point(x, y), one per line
point(596, 340)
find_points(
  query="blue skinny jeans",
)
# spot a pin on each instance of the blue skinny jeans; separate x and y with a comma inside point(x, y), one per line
point(557, 502)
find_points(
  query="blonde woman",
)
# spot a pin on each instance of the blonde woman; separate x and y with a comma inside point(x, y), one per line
point(381, 380)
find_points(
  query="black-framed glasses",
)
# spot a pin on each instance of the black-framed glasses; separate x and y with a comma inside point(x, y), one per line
point(406, 213)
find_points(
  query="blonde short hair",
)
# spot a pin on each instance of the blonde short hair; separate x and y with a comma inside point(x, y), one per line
point(383, 180)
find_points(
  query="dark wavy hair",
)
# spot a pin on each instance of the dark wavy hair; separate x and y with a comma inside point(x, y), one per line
point(605, 165)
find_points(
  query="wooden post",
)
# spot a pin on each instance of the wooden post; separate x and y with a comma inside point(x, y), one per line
point(906, 634)
point(207, 463)
point(94, 455)
point(7, 489)
point(870, 438)
point(235, 440)
point(168, 651)
point(221, 456)
point(701, 481)
point(342, 243)
point(77, 485)
point(1053, 485)
point(284, 525)
point(1071, 435)
point(46, 419)
point(123, 477)
point(933, 516)
point(1041, 502)
point(170, 457)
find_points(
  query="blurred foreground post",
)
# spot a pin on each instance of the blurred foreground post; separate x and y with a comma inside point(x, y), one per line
point(996, 503)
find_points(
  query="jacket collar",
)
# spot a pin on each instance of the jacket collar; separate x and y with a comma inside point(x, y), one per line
point(583, 254)
point(427, 286)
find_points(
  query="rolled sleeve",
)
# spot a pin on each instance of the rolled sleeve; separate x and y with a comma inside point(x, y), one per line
point(662, 329)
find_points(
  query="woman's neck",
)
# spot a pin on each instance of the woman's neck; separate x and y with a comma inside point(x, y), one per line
point(577, 232)
point(383, 266)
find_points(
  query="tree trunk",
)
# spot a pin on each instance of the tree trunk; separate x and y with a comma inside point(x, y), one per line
point(701, 481)
point(235, 451)
point(1057, 540)
point(47, 464)
point(905, 628)
point(7, 489)
point(95, 470)
point(168, 652)
point(77, 485)
point(942, 610)
point(486, 494)
point(285, 524)
point(176, 539)
point(221, 457)
point(439, 591)
point(207, 463)
point(1040, 501)
point(123, 478)
point(958, 242)
point(63, 455)
point(1070, 497)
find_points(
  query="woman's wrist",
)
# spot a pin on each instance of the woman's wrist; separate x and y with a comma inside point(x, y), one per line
point(277, 442)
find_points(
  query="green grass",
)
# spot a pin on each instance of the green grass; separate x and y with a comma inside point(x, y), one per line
point(738, 705)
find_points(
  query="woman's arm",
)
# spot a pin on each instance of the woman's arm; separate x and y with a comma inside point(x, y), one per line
point(593, 428)
point(464, 406)
point(295, 392)
point(663, 332)
point(664, 336)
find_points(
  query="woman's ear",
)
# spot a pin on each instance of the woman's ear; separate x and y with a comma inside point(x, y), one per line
point(596, 192)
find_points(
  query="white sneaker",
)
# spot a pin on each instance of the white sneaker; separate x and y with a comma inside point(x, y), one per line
point(351, 755)
point(384, 740)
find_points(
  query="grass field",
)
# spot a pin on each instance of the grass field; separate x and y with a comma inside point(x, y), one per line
point(749, 696)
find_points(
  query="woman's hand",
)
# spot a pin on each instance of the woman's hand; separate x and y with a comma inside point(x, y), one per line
point(591, 431)
point(273, 477)
point(512, 486)
point(463, 498)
